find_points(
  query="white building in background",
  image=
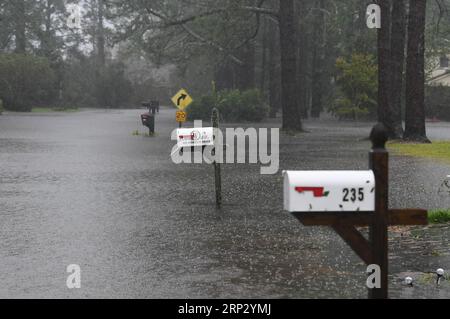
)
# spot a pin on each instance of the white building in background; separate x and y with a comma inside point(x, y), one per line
point(441, 74)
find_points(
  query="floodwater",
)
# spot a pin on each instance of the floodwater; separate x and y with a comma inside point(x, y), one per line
point(80, 188)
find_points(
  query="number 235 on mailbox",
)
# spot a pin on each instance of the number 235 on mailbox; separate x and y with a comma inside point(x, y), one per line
point(329, 191)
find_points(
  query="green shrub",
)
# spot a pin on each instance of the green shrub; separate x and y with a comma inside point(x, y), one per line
point(254, 109)
point(357, 81)
point(437, 102)
point(201, 108)
point(234, 106)
point(87, 85)
point(25, 81)
point(230, 105)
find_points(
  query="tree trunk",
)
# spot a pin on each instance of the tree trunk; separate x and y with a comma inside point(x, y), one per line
point(224, 76)
point(415, 129)
point(398, 41)
point(264, 40)
point(101, 33)
point(103, 97)
point(20, 26)
point(303, 52)
point(274, 76)
point(384, 66)
point(318, 60)
point(288, 49)
point(47, 37)
point(246, 72)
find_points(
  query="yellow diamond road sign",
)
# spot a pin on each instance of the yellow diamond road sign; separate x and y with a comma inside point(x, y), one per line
point(182, 100)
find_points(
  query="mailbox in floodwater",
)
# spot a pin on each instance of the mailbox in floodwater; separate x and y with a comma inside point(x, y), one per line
point(154, 106)
point(148, 120)
point(329, 191)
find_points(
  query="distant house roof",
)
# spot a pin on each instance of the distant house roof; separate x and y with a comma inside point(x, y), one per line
point(441, 75)
point(440, 78)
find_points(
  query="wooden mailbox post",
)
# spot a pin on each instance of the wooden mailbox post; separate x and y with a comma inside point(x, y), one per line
point(217, 171)
point(203, 137)
point(374, 250)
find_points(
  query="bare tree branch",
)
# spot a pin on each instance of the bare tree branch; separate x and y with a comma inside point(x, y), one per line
point(194, 34)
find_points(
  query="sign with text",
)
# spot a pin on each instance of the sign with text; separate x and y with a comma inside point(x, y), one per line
point(182, 100)
point(181, 116)
point(191, 137)
point(329, 191)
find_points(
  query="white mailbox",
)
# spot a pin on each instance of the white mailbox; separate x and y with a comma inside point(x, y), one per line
point(329, 191)
point(191, 137)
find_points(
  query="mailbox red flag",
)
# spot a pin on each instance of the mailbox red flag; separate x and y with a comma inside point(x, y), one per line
point(317, 191)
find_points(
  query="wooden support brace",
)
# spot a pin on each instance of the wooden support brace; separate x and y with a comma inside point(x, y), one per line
point(396, 217)
point(355, 240)
point(411, 217)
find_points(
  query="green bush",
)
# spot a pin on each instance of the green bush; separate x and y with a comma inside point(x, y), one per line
point(1, 106)
point(234, 106)
point(357, 81)
point(437, 102)
point(201, 108)
point(252, 107)
point(87, 85)
point(26, 81)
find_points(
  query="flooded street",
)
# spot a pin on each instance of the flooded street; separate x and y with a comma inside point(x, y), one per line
point(79, 188)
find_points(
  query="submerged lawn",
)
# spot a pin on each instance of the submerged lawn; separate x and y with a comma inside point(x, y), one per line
point(439, 150)
point(48, 110)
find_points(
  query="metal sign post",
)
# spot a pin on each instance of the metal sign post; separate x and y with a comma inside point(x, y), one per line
point(181, 118)
point(217, 171)
point(191, 138)
point(375, 250)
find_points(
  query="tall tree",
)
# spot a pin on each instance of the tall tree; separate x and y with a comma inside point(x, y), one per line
point(384, 65)
point(19, 13)
point(34, 26)
point(274, 70)
point(51, 27)
point(415, 129)
point(264, 44)
point(303, 58)
point(5, 26)
point(288, 49)
point(246, 71)
point(101, 32)
point(94, 28)
point(224, 75)
point(318, 58)
point(398, 41)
